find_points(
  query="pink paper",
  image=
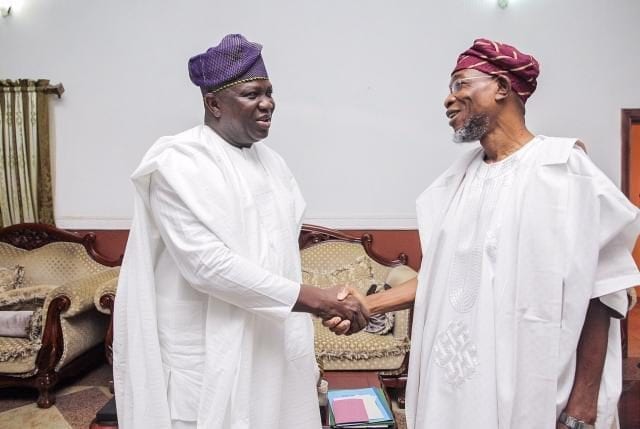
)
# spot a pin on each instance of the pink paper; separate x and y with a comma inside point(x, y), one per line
point(349, 411)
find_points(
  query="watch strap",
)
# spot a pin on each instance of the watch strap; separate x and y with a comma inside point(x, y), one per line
point(573, 423)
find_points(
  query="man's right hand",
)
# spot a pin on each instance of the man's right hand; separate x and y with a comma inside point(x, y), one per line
point(325, 304)
point(342, 326)
point(398, 298)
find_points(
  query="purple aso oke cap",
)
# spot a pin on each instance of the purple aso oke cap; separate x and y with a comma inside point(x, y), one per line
point(235, 60)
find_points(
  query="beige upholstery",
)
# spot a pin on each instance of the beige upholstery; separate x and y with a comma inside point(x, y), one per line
point(332, 263)
point(54, 270)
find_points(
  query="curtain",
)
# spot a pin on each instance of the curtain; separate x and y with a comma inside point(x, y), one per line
point(25, 168)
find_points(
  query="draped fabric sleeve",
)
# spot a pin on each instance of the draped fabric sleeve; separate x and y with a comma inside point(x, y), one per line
point(616, 271)
point(210, 266)
point(619, 226)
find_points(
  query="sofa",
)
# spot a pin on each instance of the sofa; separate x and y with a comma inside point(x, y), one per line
point(57, 274)
point(329, 258)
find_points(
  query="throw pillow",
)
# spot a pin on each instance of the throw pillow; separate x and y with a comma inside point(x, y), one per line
point(400, 274)
point(15, 323)
point(11, 278)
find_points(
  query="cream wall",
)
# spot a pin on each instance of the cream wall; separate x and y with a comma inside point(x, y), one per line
point(359, 87)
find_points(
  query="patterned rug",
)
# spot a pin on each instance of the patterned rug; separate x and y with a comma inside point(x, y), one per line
point(75, 408)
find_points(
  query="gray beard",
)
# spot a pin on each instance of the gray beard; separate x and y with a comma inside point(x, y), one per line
point(473, 129)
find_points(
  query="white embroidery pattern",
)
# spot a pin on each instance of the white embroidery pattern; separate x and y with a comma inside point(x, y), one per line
point(456, 353)
point(464, 279)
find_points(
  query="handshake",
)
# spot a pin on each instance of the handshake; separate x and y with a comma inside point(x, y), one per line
point(341, 308)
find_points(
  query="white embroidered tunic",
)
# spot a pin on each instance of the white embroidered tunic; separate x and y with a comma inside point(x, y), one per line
point(204, 333)
point(465, 342)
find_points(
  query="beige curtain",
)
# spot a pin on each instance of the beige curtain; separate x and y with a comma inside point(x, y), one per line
point(25, 167)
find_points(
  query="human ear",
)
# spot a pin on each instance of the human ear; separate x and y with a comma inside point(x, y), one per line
point(212, 104)
point(504, 87)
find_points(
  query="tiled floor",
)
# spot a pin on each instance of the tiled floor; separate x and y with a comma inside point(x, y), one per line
point(75, 408)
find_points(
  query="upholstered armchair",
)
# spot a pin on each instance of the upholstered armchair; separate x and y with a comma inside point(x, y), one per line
point(60, 273)
point(331, 258)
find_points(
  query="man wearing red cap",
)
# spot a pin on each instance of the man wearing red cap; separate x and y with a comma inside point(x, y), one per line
point(526, 257)
point(210, 323)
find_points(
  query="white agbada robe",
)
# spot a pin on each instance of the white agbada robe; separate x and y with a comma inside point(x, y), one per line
point(513, 252)
point(204, 335)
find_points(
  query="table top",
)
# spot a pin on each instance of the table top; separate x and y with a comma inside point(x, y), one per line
point(352, 379)
point(349, 380)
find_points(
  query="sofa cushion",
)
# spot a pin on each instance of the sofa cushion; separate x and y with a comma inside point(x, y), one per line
point(361, 350)
point(18, 355)
point(11, 278)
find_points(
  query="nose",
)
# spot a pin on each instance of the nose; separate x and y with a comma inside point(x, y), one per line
point(267, 103)
point(448, 100)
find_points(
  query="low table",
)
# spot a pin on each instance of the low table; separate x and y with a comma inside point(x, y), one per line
point(350, 380)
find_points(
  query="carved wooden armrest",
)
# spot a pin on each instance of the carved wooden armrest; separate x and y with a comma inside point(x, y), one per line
point(104, 296)
point(81, 292)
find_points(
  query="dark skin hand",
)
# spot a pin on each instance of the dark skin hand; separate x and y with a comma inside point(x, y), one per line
point(324, 304)
point(397, 298)
point(591, 352)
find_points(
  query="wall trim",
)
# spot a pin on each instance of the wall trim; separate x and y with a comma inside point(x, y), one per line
point(81, 222)
point(335, 221)
point(364, 221)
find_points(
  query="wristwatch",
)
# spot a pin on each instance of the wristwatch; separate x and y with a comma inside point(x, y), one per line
point(573, 423)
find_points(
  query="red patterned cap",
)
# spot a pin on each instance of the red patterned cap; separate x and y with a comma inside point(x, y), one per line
point(496, 58)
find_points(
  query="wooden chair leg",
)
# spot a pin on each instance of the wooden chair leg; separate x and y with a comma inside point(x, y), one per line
point(401, 399)
point(45, 383)
point(398, 384)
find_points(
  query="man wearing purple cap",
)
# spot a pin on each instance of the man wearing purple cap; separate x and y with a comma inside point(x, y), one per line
point(211, 322)
point(527, 255)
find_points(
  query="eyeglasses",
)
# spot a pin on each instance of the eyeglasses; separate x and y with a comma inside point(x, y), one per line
point(456, 85)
